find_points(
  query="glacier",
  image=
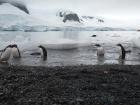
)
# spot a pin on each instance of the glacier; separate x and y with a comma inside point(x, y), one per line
point(13, 19)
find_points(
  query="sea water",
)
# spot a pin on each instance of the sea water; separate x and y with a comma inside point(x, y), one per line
point(72, 47)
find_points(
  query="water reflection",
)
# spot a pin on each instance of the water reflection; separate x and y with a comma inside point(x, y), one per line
point(74, 35)
point(101, 60)
point(85, 53)
point(121, 61)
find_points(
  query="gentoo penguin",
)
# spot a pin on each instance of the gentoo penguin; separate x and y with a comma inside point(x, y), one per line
point(6, 54)
point(15, 51)
point(93, 35)
point(123, 52)
point(43, 52)
point(17, 3)
point(100, 50)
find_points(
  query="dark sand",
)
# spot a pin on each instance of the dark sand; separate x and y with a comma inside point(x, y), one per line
point(70, 85)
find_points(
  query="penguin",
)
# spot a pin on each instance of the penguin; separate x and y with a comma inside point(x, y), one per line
point(20, 5)
point(43, 52)
point(35, 53)
point(100, 50)
point(93, 35)
point(123, 52)
point(15, 51)
point(6, 54)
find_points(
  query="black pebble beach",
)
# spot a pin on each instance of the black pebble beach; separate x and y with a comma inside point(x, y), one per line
point(70, 85)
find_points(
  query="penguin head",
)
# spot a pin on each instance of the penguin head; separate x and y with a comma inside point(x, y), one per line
point(41, 49)
point(9, 46)
point(14, 45)
point(119, 45)
point(97, 45)
point(40, 46)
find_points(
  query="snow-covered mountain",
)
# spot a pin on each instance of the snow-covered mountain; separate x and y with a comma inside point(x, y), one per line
point(13, 19)
point(68, 17)
point(14, 22)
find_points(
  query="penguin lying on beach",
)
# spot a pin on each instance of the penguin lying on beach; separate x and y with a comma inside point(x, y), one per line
point(8, 51)
point(100, 50)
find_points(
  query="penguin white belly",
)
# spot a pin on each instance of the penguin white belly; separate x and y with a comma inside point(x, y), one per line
point(120, 52)
point(41, 52)
point(15, 53)
point(100, 51)
point(6, 55)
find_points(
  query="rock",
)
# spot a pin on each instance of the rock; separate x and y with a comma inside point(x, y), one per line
point(71, 16)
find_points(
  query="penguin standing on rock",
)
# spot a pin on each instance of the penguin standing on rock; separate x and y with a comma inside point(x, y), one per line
point(6, 54)
point(100, 50)
point(43, 52)
point(123, 52)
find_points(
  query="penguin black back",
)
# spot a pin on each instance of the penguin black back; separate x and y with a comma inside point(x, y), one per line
point(9, 46)
point(123, 51)
point(44, 52)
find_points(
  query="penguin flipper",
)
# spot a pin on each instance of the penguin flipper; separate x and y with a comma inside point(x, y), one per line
point(21, 7)
point(128, 51)
point(35, 53)
point(19, 53)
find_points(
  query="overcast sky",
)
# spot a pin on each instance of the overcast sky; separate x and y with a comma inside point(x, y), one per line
point(116, 9)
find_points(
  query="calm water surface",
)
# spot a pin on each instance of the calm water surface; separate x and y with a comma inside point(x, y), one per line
point(72, 47)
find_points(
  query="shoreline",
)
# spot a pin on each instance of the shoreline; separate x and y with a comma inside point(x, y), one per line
point(70, 85)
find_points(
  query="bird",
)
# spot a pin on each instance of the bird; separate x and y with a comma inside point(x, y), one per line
point(15, 51)
point(123, 52)
point(6, 54)
point(93, 35)
point(100, 50)
point(20, 5)
point(43, 52)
